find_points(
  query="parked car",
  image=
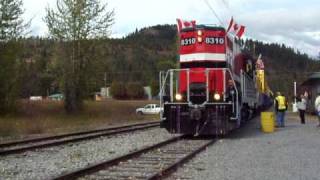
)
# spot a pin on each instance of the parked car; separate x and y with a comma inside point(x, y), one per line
point(149, 109)
point(35, 98)
point(56, 97)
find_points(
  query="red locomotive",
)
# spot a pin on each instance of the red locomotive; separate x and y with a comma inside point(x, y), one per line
point(214, 90)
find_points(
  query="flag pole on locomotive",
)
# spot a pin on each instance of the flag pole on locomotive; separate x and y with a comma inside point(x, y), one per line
point(260, 82)
point(262, 86)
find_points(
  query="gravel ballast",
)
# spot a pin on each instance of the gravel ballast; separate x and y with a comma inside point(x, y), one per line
point(290, 153)
point(50, 162)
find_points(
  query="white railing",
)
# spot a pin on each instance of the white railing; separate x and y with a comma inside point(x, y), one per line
point(248, 89)
point(169, 81)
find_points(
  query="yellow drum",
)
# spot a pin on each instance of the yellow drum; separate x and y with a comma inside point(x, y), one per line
point(267, 122)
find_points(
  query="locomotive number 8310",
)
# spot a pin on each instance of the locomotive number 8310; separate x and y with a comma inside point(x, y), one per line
point(208, 40)
point(214, 40)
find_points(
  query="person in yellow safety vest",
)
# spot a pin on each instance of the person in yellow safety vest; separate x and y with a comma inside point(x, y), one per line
point(281, 106)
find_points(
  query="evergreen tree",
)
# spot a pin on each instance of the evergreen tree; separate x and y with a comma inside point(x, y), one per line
point(73, 23)
point(11, 28)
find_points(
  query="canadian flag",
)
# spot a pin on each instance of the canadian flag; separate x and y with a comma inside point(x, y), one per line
point(236, 28)
point(182, 24)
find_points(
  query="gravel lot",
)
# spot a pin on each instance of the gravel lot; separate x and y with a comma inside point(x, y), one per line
point(49, 162)
point(291, 153)
point(247, 154)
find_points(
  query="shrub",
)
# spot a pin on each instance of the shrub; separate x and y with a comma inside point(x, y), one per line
point(118, 90)
point(135, 90)
point(155, 89)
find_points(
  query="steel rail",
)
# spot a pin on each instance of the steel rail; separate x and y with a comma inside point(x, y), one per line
point(9, 148)
point(170, 169)
point(91, 169)
point(18, 142)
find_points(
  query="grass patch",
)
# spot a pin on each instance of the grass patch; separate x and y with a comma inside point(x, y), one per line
point(49, 117)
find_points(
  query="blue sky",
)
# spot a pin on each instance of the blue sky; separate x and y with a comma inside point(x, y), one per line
point(293, 22)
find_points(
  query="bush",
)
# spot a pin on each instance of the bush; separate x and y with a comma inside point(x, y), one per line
point(135, 90)
point(118, 90)
point(155, 89)
point(129, 91)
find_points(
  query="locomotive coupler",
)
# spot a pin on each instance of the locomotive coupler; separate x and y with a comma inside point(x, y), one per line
point(196, 112)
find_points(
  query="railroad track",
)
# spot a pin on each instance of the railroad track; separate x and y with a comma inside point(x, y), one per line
point(36, 143)
point(154, 162)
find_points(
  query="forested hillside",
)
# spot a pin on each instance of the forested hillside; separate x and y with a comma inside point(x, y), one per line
point(283, 65)
point(138, 58)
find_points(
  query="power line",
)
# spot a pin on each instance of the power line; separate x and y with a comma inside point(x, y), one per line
point(213, 11)
point(226, 4)
point(227, 7)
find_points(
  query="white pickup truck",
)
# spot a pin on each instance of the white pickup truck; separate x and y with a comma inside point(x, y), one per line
point(149, 109)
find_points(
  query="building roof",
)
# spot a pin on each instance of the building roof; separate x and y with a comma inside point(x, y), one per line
point(315, 75)
point(314, 78)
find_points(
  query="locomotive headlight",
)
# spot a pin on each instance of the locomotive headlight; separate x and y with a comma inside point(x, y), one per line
point(216, 96)
point(178, 97)
point(199, 33)
point(200, 39)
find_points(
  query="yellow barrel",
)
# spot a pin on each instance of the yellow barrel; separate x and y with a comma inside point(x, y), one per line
point(267, 122)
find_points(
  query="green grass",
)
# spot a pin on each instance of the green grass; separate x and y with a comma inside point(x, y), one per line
point(49, 117)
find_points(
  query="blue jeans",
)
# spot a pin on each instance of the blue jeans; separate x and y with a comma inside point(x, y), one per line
point(280, 118)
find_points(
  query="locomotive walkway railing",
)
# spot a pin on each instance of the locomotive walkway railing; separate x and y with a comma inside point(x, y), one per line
point(169, 86)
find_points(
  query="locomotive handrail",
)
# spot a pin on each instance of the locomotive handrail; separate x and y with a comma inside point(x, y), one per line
point(247, 88)
point(162, 89)
point(170, 72)
point(237, 96)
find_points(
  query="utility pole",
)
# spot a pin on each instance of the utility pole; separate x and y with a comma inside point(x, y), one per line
point(105, 79)
point(294, 106)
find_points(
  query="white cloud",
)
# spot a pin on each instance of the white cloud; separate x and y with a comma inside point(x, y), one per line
point(292, 22)
point(35, 11)
point(141, 13)
point(295, 27)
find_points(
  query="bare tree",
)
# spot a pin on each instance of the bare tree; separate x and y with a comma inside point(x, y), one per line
point(74, 22)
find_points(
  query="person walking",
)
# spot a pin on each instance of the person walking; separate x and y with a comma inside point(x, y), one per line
point(281, 106)
point(302, 106)
point(317, 107)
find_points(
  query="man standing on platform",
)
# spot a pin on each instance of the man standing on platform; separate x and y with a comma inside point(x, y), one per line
point(302, 106)
point(281, 106)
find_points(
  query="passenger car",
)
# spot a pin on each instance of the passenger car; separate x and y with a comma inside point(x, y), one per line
point(56, 97)
point(149, 109)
